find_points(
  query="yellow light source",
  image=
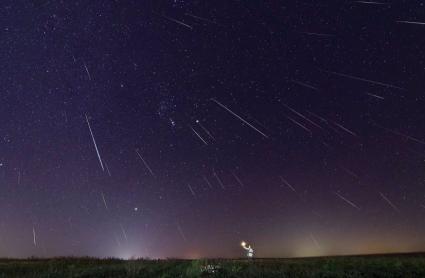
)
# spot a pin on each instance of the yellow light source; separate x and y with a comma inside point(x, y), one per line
point(243, 243)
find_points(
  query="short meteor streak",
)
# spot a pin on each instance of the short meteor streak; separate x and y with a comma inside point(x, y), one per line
point(375, 96)
point(371, 2)
point(207, 181)
point(199, 136)
point(124, 233)
point(323, 120)
point(145, 163)
point(318, 34)
point(181, 232)
point(345, 129)
point(87, 71)
point(202, 18)
point(34, 236)
point(104, 201)
point(299, 124)
point(364, 80)
point(351, 173)
point(402, 135)
point(389, 202)
point(302, 116)
point(206, 130)
point(107, 169)
point(304, 84)
point(238, 179)
point(117, 241)
point(218, 179)
point(313, 238)
point(178, 22)
point(287, 183)
point(411, 22)
point(239, 117)
point(191, 190)
point(95, 145)
point(347, 201)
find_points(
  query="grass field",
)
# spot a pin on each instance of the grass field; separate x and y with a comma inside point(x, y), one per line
point(406, 265)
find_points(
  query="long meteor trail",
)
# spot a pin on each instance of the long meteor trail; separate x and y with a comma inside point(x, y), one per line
point(95, 145)
point(239, 117)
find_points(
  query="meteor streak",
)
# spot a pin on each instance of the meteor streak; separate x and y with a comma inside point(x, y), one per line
point(313, 238)
point(104, 201)
point(95, 145)
point(181, 232)
point(218, 179)
point(375, 96)
point(411, 22)
point(351, 173)
point(239, 117)
point(402, 135)
point(207, 181)
point(107, 169)
point(238, 179)
point(124, 233)
point(304, 85)
point(371, 2)
point(87, 71)
point(191, 190)
point(145, 163)
point(389, 202)
point(34, 237)
point(318, 34)
point(287, 183)
point(302, 116)
point(345, 129)
point(177, 21)
point(202, 18)
point(347, 201)
point(199, 136)
point(299, 124)
point(205, 130)
point(364, 80)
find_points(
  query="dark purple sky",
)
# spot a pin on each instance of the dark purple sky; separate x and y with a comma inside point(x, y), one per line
point(295, 126)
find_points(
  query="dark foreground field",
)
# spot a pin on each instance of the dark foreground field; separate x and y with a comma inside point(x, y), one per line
point(408, 265)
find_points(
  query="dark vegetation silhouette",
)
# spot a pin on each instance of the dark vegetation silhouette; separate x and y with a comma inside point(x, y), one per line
point(397, 265)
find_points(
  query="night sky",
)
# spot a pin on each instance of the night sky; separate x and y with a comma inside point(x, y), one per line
point(180, 128)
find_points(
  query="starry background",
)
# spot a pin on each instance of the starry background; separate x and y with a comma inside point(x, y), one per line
point(331, 162)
